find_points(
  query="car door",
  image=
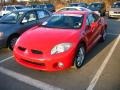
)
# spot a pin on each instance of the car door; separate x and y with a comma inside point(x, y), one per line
point(29, 20)
point(98, 25)
point(91, 30)
point(42, 15)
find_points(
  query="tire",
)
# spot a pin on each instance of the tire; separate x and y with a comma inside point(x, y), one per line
point(103, 35)
point(79, 58)
point(11, 41)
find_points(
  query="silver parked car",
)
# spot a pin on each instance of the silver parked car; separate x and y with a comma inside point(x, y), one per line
point(14, 24)
point(114, 10)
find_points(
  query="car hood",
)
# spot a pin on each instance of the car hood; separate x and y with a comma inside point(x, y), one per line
point(115, 9)
point(46, 38)
point(5, 27)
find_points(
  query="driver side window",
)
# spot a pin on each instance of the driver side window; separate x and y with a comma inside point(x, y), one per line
point(29, 17)
point(90, 19)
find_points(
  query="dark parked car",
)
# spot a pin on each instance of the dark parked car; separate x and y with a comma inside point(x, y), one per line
point(49, 7)
point(82, 4)
point(14, 24)
point(98, 7)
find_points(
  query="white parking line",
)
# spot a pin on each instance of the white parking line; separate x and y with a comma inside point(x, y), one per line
point(28, 80)
point(100, 70)
point(1, 61)
point(113, 34)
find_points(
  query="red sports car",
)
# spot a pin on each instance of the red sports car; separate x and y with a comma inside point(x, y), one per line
point(60, 42)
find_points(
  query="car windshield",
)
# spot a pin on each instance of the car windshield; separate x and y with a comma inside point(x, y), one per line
point(19, 7)
point(64, 21)
point(116, 5)
point(49, 5)
point(78, 4)
point(73, 4)
point(41, 6)
point(11, 18)
point(95, 5)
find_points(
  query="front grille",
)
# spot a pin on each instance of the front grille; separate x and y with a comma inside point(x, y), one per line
point(36, 52)
point(117, 12)
point(35, 63)
point(32, 50)
point(21, 48)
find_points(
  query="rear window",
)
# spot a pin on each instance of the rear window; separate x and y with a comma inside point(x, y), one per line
point(116, 5)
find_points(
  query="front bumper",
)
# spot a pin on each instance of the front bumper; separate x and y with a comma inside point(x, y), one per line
point(45, 62)
point(114, 15)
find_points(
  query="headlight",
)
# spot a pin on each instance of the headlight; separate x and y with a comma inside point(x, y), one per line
point(111, 12)
point(1, 34)
point(60, 48)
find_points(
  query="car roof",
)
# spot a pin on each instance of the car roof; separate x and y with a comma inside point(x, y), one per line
point(12, 5)
point(27, 9)
point(78, 7)
point(73, 12)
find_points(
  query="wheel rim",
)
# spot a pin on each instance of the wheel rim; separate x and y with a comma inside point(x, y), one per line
point(80, 57)
point(12, 42)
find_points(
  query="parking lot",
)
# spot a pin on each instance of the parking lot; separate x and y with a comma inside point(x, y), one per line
point(99, 72)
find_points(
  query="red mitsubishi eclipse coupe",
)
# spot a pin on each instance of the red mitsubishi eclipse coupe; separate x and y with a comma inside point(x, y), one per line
point(60, 42)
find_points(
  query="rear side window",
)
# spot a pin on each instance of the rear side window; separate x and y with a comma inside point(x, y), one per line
point(42, 14)
point(90, 19)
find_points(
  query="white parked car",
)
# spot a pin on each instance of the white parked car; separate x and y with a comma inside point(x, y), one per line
point(114, 10)
point(7, 9)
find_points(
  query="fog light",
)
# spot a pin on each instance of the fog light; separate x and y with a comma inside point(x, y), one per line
point(60, 64)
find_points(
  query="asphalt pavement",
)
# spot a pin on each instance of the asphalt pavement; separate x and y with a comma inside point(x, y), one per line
point(99, 72)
